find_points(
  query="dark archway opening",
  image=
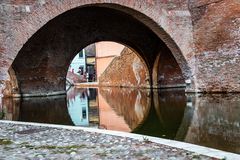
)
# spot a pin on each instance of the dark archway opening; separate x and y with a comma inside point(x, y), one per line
point(41, 65)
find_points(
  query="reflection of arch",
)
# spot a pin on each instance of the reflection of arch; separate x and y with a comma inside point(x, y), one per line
point(11, 107)
point(185, 124)
point(167, 117)
point(45, 110)
point(40, 17)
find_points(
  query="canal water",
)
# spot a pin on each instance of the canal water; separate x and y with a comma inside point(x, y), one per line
point(207, 120)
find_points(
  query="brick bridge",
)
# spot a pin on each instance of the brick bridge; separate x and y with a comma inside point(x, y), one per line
point(192, 42)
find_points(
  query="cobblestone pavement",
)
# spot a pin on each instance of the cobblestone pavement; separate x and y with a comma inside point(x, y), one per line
point(19, 141)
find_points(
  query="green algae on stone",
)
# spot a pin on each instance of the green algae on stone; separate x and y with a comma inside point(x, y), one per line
point(102, 154)
point(68, 149)
point(46, 147)
point(2, 114)
point(5, 142)
point(50, 147)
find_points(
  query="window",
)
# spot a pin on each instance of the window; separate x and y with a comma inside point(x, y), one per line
point(80, 54)
point(84, 113)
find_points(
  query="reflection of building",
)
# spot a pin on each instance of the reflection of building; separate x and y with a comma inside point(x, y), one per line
point(78, 109)
point(82, 107)
point(93, 107)
point(216, 122)
point(122, 109)
point(109, 119)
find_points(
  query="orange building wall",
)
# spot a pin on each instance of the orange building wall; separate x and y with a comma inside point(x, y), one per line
point(105, 52)
point(102, 64)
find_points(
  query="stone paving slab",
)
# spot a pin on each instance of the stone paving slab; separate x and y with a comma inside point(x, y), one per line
point(18, 141)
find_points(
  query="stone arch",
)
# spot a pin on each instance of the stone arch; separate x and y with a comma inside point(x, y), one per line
point(144, 12)
point(166, 71)
point(11, 85)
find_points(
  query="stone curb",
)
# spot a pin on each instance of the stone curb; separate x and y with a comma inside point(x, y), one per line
point(172, 143)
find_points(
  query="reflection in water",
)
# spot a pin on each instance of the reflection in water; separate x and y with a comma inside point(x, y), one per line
point(216, 122)
point(165, 117)
point(82, 106)
point(129, 104)
point(208, 120)
point(10, 110)
point(38, 109)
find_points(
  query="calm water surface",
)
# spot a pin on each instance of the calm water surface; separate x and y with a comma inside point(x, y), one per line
point(207, 120)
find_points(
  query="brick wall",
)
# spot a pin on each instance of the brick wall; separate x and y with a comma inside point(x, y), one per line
point(21, 19)
point(126, 70)
point(217, 45)
point(205, 43)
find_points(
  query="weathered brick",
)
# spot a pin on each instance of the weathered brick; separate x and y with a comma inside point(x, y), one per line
point(127, 70)
point(205, 43)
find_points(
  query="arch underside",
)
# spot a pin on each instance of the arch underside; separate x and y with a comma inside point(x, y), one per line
point(42, 63)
